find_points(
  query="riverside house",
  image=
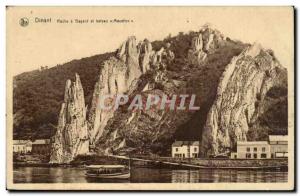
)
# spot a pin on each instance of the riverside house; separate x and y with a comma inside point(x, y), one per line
point(276, 147)
point(41, 146)
point(22, 146)
point(185, 149)
point(252, 150)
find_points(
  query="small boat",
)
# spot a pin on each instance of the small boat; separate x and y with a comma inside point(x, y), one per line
point(108, 171)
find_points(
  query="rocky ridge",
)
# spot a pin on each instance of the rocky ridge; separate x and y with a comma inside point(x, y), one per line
point(237, 89)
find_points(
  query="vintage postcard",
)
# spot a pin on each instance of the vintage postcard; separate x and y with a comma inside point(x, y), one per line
point(150, 98)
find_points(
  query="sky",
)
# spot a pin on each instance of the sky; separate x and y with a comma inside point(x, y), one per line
point(48, 44)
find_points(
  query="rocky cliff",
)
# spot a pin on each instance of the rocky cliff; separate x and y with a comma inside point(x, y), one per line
point(153, 131)
point(71, 138)
point(238, 105)
point(241, 90)
point(118, 75)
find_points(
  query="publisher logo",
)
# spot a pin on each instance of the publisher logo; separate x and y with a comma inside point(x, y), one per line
point(24, 22)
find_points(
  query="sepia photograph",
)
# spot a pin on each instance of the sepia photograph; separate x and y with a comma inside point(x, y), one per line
point(150, 98)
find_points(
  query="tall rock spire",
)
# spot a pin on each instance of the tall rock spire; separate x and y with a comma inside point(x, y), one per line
point(71, 138)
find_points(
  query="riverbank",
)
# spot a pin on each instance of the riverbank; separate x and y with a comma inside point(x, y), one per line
point(199, 163)
point(233, 163)
point(168, 162)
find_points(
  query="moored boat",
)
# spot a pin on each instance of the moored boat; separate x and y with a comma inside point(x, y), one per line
point(108, 171)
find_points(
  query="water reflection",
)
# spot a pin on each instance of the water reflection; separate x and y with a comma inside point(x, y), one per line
point(148, 175)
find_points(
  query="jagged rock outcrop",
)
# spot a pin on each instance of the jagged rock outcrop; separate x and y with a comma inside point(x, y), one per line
point(163, 57)
point(196, 55)
point(113, 80)
point(71, 138)
point(245, 82)
point(145, 52)
point(128, 53)
point(117, 76)
point(207, 41)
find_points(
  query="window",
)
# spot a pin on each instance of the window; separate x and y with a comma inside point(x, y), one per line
point(235, 156)
point(263, 149)
point(176, 149)
point(195, 149)
point(255, 149)
point(263, 155)
point(248, 156)
point(255, 156)
point(248, 149)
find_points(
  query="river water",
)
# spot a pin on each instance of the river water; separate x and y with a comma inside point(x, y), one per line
point(148, 175)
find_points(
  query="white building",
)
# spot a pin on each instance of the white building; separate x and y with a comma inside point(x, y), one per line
point(40, 146)
point(252, 150)
point(22, 146)
point(185, 149)
point(276, 147)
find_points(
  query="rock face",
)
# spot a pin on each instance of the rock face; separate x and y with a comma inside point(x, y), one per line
point(138, 131)
point(244, 83)
point(207, 41)
point(162, 57)
point(196, 55)
point(113, 80)
point(71, 138)
point(128, 53)
point(145, 55)
point(117, 76)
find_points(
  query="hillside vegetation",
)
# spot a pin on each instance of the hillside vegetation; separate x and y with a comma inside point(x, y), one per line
point(38, 95)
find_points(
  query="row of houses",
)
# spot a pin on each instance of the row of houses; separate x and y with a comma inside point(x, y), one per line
point(275, 147)
point(41, 146)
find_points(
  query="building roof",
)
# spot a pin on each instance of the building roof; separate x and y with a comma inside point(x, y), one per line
point(21, 142)
point(41, 141)
point(185, 143)
point(273, 138)
point(252, 142)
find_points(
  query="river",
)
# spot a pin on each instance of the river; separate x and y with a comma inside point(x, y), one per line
point(148, 175)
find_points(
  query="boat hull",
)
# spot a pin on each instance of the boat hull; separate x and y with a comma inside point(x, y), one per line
point(110, 176)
